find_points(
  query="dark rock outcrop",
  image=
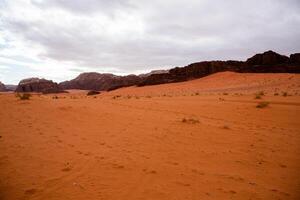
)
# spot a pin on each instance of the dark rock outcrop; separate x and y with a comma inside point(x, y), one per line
point(267, 58)
point(100, 82)
point(2, 87)
point(38, 85)
point(268, 62)
point(153, 72)
point(295, 58)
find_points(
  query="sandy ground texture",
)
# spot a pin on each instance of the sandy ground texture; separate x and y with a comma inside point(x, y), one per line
point(201, 139)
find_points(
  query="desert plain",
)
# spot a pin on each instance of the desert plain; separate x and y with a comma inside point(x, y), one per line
point(224, 136)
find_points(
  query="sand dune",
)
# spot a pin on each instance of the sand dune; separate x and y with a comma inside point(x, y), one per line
point(201, 139)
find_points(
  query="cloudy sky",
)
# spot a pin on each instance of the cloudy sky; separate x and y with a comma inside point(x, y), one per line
point(58, 39)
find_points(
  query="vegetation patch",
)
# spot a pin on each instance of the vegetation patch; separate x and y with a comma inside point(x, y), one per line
point(24, 96)
point(284, 94)
point(259, 95)
point(263, 104)
point(116, 96)
point(190, 121)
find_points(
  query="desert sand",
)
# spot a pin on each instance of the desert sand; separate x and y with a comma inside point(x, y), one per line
point(200, 139)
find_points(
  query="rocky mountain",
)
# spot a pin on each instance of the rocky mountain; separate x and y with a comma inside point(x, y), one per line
point(2, 87)
point(38, 85)
point(97, 81)
point(295, 58)
point(11, 87)
point(153, 72)
point(267, 62)
point(267, 58)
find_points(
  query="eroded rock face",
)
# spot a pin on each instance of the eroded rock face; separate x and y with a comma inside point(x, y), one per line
point(267, 62)
point(2, 87)
point(38, 85)
point(100, 82)
point(192, 71)
point(268, 58)
point(295, 58)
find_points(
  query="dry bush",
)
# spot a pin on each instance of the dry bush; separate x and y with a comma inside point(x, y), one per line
point(284, 94)
point(190, 121)
point(263, 104)
point(225, 127)
point(225, 93)
point(24, 96)
point(116, 96)
point(257, 96)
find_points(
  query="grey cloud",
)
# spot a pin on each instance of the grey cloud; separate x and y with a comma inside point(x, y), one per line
point(84, 6)
point(176, 32)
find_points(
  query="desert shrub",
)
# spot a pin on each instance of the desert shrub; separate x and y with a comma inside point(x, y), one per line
point(24, 96)
point(92, 92)
point(55, 97)
point(116, 96)
point(257, 96)
point(148, 96)
point(261, 93)
point(284, 94)
point(225, 127)
point(262, 104)
point(190, 120)
point(225, 93)
point(276, 94)
point(197, 93)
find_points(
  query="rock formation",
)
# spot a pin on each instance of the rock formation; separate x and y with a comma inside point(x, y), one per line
point(99, 82)
point(295, 58)
point(38, 85)
point(2, 87)
point(267, 58)
point(268, 62)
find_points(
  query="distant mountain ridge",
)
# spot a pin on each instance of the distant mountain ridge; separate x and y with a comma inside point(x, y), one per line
point(38, 85)
point(267, 62)
point(97, 81)
point(2, 87)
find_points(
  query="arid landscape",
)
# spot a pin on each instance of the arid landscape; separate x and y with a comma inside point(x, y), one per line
point(225, 136)
point(149, 100)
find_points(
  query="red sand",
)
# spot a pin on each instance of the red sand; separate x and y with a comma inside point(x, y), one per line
point(137, 145)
